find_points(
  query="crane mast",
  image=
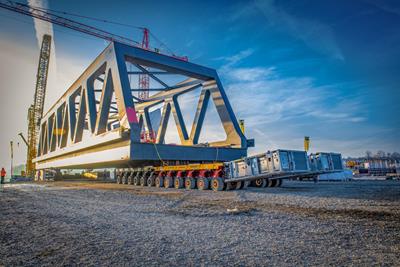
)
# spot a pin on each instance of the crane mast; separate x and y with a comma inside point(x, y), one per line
point(144, 85)
point(35, 111)
point(144, 80)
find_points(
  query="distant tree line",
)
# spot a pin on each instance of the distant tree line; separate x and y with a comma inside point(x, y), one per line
point(380, 154)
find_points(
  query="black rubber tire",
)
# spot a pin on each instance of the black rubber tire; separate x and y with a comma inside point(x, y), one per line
point(130, 178)
point(159, 182)
point(245, 184)
point(168, 182)
point(217, 184)
point(274, 183)
point(143, 180)
point(239, 185)
point(260, 183)
point(119, 179)
point(190, 183)
point(125, 178)
point(178, 182)
point(150, 181)
point(136, 180)
point(279, 184)
point(269, 182)
point(203, 183)
point(230, 186)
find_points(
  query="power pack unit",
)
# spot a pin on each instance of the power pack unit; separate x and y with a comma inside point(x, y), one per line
point(277, 161)
point(325, 161)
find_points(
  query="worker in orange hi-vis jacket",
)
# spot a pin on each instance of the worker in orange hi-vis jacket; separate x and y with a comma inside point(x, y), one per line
point(3, 174)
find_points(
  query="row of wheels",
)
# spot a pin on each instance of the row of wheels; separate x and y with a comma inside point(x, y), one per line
point(150, 179)
point(266, 183)
point(202, 183)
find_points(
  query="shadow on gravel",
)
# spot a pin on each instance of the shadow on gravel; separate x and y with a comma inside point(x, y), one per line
point(367, 190)
point(336, 214)
point(220, 208)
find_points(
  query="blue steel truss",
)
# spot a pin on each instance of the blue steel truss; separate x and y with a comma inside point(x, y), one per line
point(98, 121)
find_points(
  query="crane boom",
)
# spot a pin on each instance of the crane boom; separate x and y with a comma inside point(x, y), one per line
point(45, 15)
point(35, 111)
point(23, 139)
point(64, 22)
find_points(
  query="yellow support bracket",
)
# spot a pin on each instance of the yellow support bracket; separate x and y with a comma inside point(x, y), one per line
point(190, 167)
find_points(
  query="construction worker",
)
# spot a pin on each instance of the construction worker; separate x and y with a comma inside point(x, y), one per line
point(3, 174)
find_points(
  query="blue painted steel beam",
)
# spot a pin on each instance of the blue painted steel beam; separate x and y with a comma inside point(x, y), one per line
point(63, 142)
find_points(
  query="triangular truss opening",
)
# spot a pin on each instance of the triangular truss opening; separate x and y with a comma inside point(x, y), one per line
point(113, 116)
point(108, 114)
point(212, 129)
point(171, 133)
point(146, 81)
point(98, 89)
point(188, 104)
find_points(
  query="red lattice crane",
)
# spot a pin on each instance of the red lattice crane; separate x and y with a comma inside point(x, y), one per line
point(144, 86)
point(144, 80)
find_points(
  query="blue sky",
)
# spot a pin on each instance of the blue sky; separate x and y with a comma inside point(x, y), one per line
point(327, 69)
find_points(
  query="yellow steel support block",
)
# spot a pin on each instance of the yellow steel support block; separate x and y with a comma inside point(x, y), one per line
point(190, 167)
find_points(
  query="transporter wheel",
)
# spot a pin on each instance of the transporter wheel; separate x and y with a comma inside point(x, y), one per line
point(230, 186)
point(119, 180)
point(203, 183)
point(190, 183)
point(130, 178)
point(269, 182)
point(245, 184)
point(150, 181)
point(260, 183)
point(178, 182)
point(159, 182)
point(136, 180)
point(275, 182)
point(217, 184)
point(125, 178)
point(168, 182)
point(279, 183)
point(143, 180)
point(239, 185)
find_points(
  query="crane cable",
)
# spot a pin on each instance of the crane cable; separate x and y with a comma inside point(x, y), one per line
point(106, 21)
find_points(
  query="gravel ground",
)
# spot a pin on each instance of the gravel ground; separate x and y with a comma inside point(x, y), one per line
point(301, 223)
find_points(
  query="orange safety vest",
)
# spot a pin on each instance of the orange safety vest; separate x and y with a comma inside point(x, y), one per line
point(3, 173)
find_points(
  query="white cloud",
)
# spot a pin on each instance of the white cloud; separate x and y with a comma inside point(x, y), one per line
point(232, 60)
point(41, 28)
point(261, 95)
point(249, 74)
point(279, 111)
point(271, 99)
point(313, 33)
point(386, 6)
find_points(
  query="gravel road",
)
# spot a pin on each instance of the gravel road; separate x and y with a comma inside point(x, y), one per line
point(301, 223)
